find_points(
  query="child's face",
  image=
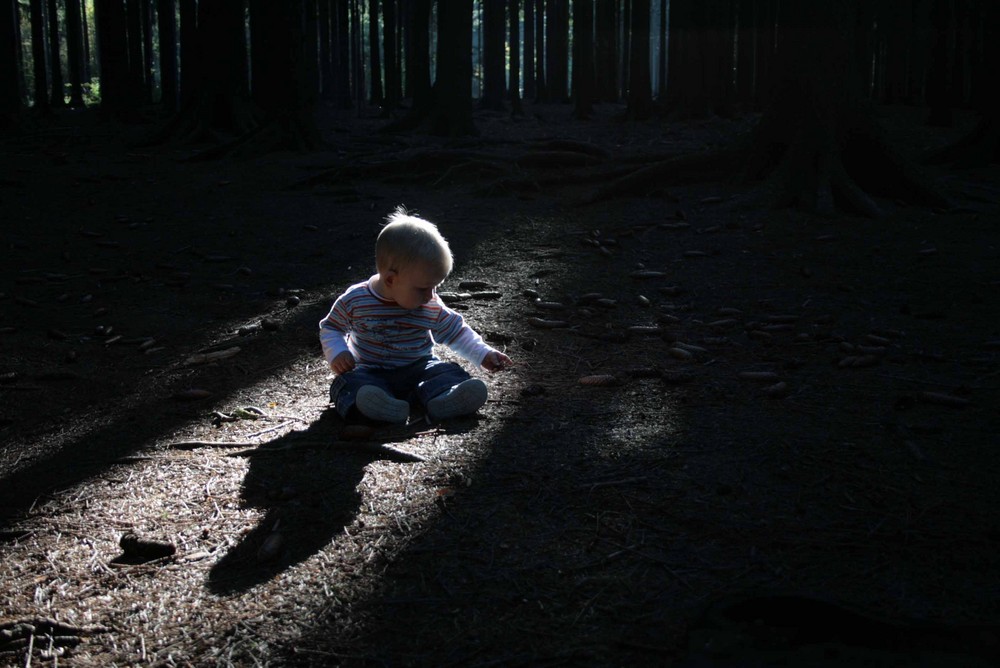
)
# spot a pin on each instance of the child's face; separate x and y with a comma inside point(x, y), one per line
point(414, 286)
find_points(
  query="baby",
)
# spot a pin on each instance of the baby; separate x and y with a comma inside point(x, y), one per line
point(379, 336)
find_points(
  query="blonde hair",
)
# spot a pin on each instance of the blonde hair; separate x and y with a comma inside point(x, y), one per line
point(406, 240)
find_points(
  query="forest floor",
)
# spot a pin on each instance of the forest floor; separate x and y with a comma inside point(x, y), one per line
point(785, 455)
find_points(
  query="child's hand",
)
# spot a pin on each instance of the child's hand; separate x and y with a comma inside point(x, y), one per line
point(343, 363)
point(496, 361)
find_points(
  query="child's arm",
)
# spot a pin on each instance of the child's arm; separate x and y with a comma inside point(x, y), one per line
point(457, 335)
point(333, 337)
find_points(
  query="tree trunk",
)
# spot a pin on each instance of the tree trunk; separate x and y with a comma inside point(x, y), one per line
point(606, 51)
point(626, 32)
point(514, 84)
point(981, 146)
point(745, 65)
point(167, 23)
point(583, 58)
point(451, 115)
point(640, 95)
point(818, 139)
point(661, 53)
point(189, 47)
point(113, 57)
point(541, 89)
point(938, 99)
point(341, 35)
point(375, 59)
point(393, 89)
point(138, 84)
point(493, 55)
point(764, 50)
point(287, 81)
point(529, 50)
point(39, 56)
point(74, 52)
point(557, 55)
point(10, 94)
point(419, 58)
point(357, 59)
point(55, 57)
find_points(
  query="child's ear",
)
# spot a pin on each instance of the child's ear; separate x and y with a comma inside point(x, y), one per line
point(390, 277)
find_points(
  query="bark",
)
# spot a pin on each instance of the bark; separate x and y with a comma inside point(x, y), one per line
point(418, 58)
point(10, 94)
point(341, 35)
point(39, 56)
point(113, 58)
point(393, 88)
point(661, 52)
point(981, 146)
point(583, 58)
point(451, 114)
point(493, 55)
point(55, 58)
point(189, 47)
point(557, 54)
point(325, 52)
point(818, 140)
point(606, 51)
point(938, 98)
point(167, 23)
point(514, 84)
point(745, 65)
point(375, 58)
point(138, 88)
point(640, 95)
point(541, 90)
point(357, 61)
point(529, 50)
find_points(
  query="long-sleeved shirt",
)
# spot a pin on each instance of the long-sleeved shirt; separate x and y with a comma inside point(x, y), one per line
point(379, 332)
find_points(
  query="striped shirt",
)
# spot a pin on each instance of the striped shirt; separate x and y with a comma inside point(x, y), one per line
point(378, 332)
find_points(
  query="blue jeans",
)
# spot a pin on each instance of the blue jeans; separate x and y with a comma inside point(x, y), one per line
point(419, 382)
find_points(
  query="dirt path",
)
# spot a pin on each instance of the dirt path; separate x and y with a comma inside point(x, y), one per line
point(774, 403)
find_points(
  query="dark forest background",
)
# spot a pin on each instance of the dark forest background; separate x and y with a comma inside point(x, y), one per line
point(254, 72)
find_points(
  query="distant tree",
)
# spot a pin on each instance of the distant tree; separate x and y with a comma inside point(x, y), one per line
point(39, 56)
point(745, 61)
point(357, 59)
point(55, 56)
point(606, 51)
point(74, 52)
point(167, 24)
point(701, 61)
point(640, 95)
point(980, 146)
point(661, 51)
point(514, 84)
point(939, 98)
point(418, 57)
point(188, 12)
point(116, 99)
point(393, 81)
point(765, 23)
point(529, 49)
point(584, 84)
point(10, 94)
point(557, 53)
point(341, 51)
point(139, 90)
point(451, 112)
point(541, 89)
point(818, 141)
point(493, 55)
point(374, 53)
point(286, 90)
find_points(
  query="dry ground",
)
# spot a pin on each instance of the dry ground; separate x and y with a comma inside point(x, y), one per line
point(788, 457)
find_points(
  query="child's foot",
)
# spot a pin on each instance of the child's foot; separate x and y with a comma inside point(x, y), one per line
point(461, 399)
point(377, 404)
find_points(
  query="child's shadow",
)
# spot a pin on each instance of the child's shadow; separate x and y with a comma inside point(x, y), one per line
point(308, 483)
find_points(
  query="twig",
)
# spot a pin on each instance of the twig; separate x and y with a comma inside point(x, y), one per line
point(270, 429)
